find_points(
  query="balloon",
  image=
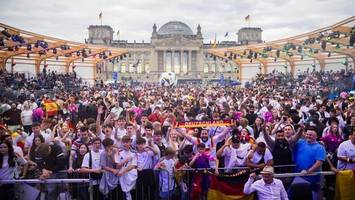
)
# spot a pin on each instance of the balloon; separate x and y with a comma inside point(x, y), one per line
point(168, 79)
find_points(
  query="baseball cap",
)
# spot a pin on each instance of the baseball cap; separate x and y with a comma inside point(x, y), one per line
point(267, 170)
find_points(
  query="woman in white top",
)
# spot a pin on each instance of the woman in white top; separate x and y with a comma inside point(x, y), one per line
point(8, 163)
point(174, 140)
point(26, 117)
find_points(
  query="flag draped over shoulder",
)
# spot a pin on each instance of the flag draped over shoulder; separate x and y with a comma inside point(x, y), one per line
point(228, 187)
point(345, 185)
point(51, 108)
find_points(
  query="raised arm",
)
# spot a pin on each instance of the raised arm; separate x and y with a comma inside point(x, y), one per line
point(192, 162)
point(100, 111)
point(296, 137)
point(216, 138)
point(153, 148)
point(190, 138)
point(273, 132)
point(108, 118)
point(268, 140)
point(220, 151)
point(248, 186)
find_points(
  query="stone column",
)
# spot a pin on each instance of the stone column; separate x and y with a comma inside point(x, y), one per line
point(142, 63)
point(172, 60)
point(164, 61)
point(181, 61)
point(189, 67)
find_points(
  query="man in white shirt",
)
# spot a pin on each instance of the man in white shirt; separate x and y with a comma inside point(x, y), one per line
point(91, 164)
point(268, 187)
point(117, 110)
point(36, 130)
point(127, 164)
point(145, 183)
point(260, 157)
point(234, 153)
point(120, 129)
point(346, 153)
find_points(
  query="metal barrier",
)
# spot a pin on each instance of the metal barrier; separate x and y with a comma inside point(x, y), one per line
point(31, 189)
point(159, 185)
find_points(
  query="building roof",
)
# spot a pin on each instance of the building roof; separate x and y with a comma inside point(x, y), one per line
point(175, 27)
point(250, 29)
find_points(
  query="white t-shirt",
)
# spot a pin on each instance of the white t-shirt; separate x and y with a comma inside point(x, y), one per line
point(236, 157)
point(95, 164)
point(346, 149)
point(122, 155)
point(166, 176)
point(127, 180)
point(257, 157)
point(29, 139)
point(145, 159)
point(26, 117)
point(95, 156)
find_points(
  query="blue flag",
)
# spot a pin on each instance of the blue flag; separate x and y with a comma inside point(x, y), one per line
point(115, 76)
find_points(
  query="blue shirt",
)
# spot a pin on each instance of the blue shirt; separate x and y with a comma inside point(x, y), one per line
point(306, 155)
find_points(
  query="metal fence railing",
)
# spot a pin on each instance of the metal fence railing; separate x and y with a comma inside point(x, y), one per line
point(63, 189)
point(150, 185)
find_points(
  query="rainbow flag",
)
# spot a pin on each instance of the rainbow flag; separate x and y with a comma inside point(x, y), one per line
point(345, 185)
point(228, 187)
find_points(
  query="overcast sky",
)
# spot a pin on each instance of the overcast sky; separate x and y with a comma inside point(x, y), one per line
point(134, 18)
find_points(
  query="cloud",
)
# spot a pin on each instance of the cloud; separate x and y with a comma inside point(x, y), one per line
point(70, 19)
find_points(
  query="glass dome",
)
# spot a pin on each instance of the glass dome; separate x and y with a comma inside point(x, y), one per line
point(175, 27)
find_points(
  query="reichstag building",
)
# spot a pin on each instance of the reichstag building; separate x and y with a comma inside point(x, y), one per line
point(173, 47)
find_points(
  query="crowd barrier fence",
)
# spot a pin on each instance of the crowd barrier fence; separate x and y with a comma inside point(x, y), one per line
point(28, 188)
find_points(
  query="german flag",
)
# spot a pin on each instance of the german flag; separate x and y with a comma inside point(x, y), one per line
point(228, 187)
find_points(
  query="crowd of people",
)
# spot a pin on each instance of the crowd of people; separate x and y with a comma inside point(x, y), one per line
point(119, 137)
point(21, 84)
